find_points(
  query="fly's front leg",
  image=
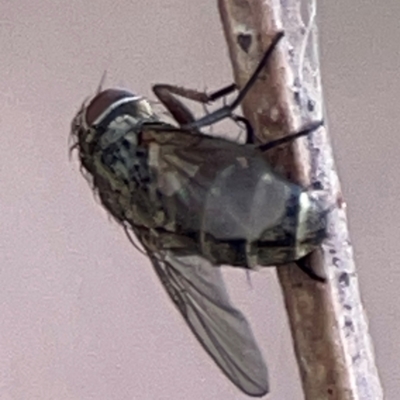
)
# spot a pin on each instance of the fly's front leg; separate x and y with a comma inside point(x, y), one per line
point(222, 92)
point(167, 95)
point(227, 110)
point(184, 117)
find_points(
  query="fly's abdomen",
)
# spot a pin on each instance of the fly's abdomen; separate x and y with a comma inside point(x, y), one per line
point(252, 216)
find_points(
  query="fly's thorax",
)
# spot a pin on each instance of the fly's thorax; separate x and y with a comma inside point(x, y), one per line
point(109, 116)
point(107, 130)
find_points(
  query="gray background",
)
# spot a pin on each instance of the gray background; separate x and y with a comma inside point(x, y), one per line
point(82, 315)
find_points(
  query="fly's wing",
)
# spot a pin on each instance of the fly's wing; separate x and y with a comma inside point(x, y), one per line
point(218, 187)
point(179, 158)
point(197, 289)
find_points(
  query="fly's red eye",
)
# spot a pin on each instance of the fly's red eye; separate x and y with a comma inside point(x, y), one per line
point(103, 101)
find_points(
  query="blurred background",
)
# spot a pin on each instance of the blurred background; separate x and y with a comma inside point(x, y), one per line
point(82, 315)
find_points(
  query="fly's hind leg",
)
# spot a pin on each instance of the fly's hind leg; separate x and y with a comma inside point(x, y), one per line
point(313, 126)
point(303, 264)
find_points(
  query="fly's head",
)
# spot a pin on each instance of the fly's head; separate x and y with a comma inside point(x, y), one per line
point(314, 208)
point(107, 117)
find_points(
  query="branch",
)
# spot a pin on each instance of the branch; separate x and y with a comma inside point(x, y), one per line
point(329, 328)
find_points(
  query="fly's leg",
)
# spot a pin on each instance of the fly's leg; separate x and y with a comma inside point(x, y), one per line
point(181, 113)
point(302, 263)
point(166, 94)
point(227, 110)
point(303, 132)
point(225, 91)
point(250, 137)
point(214, 96)
point(222, 92)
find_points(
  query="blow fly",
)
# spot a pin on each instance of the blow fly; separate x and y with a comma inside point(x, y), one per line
point(195, 202)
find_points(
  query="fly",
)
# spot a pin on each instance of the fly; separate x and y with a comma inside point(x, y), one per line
point(195, 202)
